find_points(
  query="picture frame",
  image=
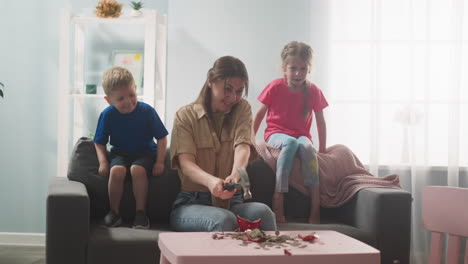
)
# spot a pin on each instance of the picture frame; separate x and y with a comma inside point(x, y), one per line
point(131, 60)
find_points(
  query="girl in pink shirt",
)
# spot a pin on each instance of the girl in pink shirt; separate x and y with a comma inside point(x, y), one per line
point(288, 103)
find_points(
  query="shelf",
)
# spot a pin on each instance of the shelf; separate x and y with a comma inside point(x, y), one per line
point(87, 95)
point(90, 18)
point(73, 102)
point(99, 96)
point(98, 20)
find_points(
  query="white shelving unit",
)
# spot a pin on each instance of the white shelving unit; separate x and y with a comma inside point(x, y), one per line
point(154, 73)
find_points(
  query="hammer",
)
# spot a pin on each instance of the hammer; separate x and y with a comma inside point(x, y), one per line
point(245, 183)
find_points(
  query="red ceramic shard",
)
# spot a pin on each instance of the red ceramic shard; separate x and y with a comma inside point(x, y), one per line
point(287, 252)
point(309, 238)
point(245, 224)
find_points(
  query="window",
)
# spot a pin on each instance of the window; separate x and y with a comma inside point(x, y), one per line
point(398, 82)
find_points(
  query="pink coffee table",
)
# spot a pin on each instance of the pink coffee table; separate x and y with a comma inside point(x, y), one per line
point(199, 247)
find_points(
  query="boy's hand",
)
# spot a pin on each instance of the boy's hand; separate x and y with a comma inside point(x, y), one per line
point(158, 169)
point(103, 170)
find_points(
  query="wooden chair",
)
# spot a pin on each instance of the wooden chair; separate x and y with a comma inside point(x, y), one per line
point(445, 210)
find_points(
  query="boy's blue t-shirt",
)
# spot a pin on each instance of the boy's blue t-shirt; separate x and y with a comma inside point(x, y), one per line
point(130, 133)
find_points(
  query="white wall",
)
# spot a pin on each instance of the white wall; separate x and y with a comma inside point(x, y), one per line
point(253, 31)
point(199, 32)
point(28, 118)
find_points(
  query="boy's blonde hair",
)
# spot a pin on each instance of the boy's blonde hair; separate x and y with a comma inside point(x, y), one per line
point(305, 53)
point(115, 78)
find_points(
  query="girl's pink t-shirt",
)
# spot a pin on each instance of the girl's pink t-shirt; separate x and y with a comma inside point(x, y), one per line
point(286, 109)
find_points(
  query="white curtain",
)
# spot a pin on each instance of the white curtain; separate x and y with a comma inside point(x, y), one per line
point(397, 86)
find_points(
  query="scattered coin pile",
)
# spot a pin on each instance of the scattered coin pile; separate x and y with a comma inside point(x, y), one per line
point(265, 241)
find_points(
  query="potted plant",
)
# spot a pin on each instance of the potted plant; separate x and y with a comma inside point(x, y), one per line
point(136, 6)
point(108, 9)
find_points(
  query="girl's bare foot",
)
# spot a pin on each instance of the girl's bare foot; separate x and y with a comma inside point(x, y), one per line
point(278, 207)
point(280, 219)
point(314, 217)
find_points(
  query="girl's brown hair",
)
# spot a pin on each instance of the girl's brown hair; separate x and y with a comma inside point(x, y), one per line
point(305, 53)
point(223, 68)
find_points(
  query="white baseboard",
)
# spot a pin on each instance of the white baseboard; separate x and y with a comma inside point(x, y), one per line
point(22, 239)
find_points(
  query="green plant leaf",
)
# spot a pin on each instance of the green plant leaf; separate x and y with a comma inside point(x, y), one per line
point(136, 5)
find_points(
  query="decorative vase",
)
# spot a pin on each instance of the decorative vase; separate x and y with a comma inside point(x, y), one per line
point(135, 13)
point(245, 224)
point(91, 88)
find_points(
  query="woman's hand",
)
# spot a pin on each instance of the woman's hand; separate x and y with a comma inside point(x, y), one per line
point(217, 189)
point(215, 185)
point(233, 178)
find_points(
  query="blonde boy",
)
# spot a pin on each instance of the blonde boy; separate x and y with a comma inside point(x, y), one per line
point(131, 127)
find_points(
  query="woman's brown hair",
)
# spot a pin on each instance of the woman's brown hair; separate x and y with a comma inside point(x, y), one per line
point(223, 68)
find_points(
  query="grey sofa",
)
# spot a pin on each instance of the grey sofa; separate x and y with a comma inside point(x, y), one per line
point(379, 217)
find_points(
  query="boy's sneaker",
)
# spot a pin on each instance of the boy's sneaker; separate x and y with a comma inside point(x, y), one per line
point(141, 221)
point(112, 219)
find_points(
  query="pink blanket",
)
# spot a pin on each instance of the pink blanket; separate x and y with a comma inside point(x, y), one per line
point(341, 174)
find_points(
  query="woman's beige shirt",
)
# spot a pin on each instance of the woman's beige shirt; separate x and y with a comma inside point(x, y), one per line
point(193, 133)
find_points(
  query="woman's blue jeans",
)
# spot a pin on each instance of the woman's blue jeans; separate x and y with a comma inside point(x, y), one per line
point(290, 146)
point(192, 212)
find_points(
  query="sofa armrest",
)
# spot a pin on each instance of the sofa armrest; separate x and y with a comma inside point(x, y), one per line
point(67, 222)
point(386, 214)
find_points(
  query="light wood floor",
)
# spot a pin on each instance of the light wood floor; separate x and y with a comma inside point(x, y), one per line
point(22, 254)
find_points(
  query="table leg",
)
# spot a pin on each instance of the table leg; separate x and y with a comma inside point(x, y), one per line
point(163, 260)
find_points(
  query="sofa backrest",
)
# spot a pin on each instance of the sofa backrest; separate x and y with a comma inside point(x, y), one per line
point(163, 189)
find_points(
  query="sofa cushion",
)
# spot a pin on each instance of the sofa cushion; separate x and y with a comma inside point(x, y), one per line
point(262, 181)
point(162, 189)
